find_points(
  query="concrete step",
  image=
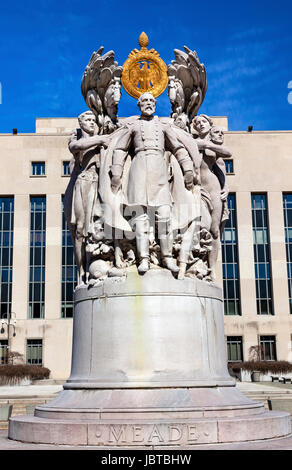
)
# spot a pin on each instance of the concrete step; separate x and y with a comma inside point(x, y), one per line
point(49, 382)
point(19, 405)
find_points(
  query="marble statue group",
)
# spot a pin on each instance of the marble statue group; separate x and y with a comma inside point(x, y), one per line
point(145, 191)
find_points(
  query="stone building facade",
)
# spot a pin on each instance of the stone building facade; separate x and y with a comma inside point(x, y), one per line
point(36, 256)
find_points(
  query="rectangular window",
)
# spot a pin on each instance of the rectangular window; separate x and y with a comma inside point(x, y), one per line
point(268, 348)
point(230, 262)
point(37, 256)
point(66, 169)
point(234, 348)
point(262, 262)
point(3, 351)
point(69, 269)
point(287, 207)
point(6, 253)
point(38, 168)
point(229, 166)
point(34, 352)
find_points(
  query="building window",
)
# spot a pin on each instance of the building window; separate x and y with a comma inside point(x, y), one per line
point(34, 352)
point(38, 168)
point(234, 348)
point(6, 253)
point(230, 262)
point(287, 206)
point(3, 351)
point(66, 168)
point(262, 261)
point(37, 257)
point(268, 348)
point(229, 166)
point(69, 270)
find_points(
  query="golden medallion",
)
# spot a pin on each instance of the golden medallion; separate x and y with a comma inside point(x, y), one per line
point(144, 70)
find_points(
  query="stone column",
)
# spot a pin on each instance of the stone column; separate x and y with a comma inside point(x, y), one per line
point(20, 273)
point(282, 316)
point(53, 256)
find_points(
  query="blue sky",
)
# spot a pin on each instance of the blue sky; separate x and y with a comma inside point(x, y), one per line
point(246, 47)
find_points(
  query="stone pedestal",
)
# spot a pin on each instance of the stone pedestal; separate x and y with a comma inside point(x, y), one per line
point(149, 369)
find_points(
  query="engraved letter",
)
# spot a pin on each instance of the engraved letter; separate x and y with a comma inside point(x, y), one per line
point(137, 430)
point(175, 433)
point(120, 435)
point(192, 433)
point(155, 434)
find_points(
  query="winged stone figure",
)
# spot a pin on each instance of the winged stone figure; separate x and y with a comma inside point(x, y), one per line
point(101, 88)
point(187, 83)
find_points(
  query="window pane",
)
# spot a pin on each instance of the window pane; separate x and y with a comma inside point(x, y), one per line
point(268, 345)
point(234, 348)
point(287, 208)
point(228, 166)
point(37, 256)
point(230, 262)
point(66, 169)
point(69, 270)
point(38, 168)
point(262, 254)
point(34, 351)
point(6, 252)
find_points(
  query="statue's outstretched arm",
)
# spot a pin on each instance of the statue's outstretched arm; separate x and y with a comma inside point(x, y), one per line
point(220, 150)
point(88, 143)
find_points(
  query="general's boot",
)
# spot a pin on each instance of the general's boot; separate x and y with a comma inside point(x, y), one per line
point(142, 238)
point(182, 270)
point(166, 253)
point(170, 264)
point(144, 266)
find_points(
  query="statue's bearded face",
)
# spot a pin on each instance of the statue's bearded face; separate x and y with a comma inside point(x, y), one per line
point(202, 125)
point(88, 123)
point(147, 104)
point(217, 135)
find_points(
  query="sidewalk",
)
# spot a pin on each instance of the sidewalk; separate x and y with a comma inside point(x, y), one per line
point(28, 391)
point(264, 387)
point(41, 390)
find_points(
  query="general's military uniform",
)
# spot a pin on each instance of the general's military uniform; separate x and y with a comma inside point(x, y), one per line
point(148, 177)
point(148, 185)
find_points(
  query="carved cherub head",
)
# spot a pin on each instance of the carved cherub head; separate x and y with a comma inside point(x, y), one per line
point(146, 103)
point(217, 135)
point(202, 124)
point(87, 123)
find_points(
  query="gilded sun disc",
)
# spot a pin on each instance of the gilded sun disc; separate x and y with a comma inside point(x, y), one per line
point(143, 71)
